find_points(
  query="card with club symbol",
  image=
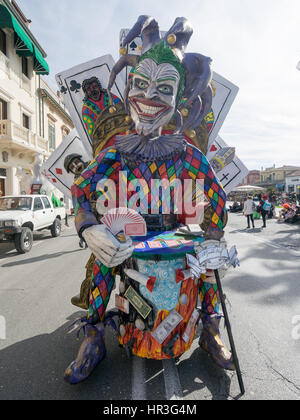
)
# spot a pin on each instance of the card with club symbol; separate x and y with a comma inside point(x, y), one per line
point(84, 92)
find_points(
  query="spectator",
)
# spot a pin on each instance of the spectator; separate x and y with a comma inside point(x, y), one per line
point(66, 218)
point(264, 207)
point(249, 209)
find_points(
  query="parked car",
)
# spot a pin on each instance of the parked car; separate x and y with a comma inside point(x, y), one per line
point(22, 215)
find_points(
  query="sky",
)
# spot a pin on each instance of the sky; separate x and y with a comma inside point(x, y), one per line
point(253, 43)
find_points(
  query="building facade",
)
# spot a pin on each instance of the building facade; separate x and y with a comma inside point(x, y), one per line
point(292, 183)
point(252, 178)
point(32, 117)
point(276, 177)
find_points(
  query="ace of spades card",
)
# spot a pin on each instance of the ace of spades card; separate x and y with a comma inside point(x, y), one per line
point(53, 169)
point(84, 97)
point(134, 47)
point(231, 171)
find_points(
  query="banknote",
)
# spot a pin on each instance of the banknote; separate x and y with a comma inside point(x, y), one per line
point(190, 326)
point(167, 326)
point(122, 304)
point(138, 302)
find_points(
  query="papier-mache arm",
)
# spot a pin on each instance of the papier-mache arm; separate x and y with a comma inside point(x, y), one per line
point(216, 195)
point(85, 189)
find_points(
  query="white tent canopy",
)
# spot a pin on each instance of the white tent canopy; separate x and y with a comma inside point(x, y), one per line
point(246, 188)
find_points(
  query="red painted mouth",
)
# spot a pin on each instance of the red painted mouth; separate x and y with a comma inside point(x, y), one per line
point(147, 108)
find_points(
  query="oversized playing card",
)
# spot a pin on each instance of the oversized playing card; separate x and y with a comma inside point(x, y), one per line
point(228, 167)
point(134, 47)
point(83, 89)
point(53, 169)
point(225, 93)
point(125, 220)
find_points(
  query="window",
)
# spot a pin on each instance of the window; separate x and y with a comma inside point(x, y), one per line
point(3, 41)
point(38, 205)
point(26, 121)
point(2, 187)
point(25, 66)
point(46, 203)
point(65, 131)
point(3, 110)
point(51, 136)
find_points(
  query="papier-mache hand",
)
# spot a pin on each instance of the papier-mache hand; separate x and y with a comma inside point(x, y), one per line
point(212, 255)
point(106, 247)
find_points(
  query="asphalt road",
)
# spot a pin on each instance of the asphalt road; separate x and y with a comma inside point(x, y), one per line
point(263, 302)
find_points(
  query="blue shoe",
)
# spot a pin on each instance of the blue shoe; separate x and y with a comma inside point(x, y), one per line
point(92, 351)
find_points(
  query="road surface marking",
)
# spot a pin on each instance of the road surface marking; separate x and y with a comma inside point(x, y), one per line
point(138, 379)
point(172, 381)
point(173, 390)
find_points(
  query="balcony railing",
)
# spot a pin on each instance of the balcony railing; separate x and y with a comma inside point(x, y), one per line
point(15, 133)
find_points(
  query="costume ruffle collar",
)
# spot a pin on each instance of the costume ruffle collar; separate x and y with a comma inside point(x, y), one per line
point(135, 148)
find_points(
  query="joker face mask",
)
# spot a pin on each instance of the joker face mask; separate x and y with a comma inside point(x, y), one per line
point(152, 97)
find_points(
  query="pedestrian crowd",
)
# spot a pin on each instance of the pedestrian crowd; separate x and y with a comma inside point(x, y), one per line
point(263, 207)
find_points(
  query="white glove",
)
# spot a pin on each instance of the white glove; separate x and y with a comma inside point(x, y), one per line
point(196, 270)
point(106, 247)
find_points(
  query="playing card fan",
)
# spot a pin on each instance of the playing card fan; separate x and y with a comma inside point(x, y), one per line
point(126, 221)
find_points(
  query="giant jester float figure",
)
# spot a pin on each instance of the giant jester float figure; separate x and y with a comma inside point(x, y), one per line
point(145, 154)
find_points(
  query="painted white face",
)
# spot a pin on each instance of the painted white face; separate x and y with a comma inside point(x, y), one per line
point(152, 97)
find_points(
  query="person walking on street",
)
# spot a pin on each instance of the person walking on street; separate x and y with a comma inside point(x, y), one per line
point(249, 209)
point(265, 207)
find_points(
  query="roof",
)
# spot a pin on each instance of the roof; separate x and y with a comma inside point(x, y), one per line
point(23, 44)
point(292, 174)
point(11, 6)
point(282, 168)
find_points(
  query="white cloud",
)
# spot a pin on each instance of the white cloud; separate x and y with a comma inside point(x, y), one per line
point(253, 43)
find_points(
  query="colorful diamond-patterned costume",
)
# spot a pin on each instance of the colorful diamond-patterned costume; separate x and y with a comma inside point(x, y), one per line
point(190, 164)
point(166, 101)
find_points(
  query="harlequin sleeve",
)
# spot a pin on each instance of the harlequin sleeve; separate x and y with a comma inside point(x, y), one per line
point(216, 195)
point(81, 192)
point(197, 167)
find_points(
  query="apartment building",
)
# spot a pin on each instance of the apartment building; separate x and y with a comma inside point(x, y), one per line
point(32, 117)
point(276, 177)
point(292, 182)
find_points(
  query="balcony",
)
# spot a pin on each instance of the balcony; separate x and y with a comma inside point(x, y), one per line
point(270, 183)
point(18, 138)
